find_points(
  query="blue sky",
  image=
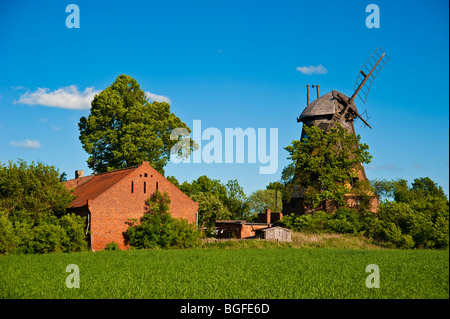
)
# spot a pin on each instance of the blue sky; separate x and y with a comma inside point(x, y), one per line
point(229, 64)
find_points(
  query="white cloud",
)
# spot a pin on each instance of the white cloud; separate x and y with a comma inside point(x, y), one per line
point(28, 144)
point(309, 70)
point(417, 165)
point(387, 167)
point(157, 98)
point(67, 97)
point(70, 97)
point(56, 128)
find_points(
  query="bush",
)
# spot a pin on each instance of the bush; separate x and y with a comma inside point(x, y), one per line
point(8, 239)
point(46, 238)
point(158, 229)
point(417, 218)
point(33, 218)
point(112, 246)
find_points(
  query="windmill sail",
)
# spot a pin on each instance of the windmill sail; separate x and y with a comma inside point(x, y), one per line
point(369, 72)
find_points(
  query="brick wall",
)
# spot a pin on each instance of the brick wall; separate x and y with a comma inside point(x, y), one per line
point(111, 211)
point(237, 229)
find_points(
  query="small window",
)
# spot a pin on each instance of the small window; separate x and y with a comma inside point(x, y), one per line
point(145, 187)
point(156, 185)
point(145, 175)
point(132, 187)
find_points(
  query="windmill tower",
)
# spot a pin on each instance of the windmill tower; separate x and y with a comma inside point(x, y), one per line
point(337, 108)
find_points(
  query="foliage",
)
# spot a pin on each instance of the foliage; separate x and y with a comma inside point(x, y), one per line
point(324, 164)
point(263, 199)
point(210, 209)
point(211, 194)
point(33, 216)
point(343, 221)
point(235, 200)
point(124, 128)
point(417, 218)
point(113, 246)
point(158, 229)
point(173, 180)
point(30, 192)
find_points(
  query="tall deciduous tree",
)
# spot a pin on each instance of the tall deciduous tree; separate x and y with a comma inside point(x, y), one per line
point(124, 128)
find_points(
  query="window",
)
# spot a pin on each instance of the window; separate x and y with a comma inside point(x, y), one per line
point(145, 187)
point(132, 187)
point(145, 175)
point(156, 185)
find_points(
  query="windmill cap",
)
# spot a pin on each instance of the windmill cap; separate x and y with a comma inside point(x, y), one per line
point(325, 105)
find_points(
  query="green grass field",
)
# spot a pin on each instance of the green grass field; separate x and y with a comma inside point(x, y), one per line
point(229, 273)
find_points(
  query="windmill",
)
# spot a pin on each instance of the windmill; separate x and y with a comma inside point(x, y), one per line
point(334, 108)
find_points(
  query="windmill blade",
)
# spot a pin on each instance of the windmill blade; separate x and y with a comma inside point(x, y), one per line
point(366, 116)
point(368, 73)
point(364, 121)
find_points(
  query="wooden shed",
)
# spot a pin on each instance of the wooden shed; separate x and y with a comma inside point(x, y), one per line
point(274, 233)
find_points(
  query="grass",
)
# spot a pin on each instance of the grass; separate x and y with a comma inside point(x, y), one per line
point(300, 240)
point(271, 272)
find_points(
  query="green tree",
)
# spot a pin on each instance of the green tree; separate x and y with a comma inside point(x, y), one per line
point(30, 192)
point(412, 216)
point(33, 218)
point(236, 201)
point(210, 209)
point(124, 128)
point(263, 199)
point(173, 180)
point(216, 201)
point(324, 164)
point(204, 184)
point(158, 229)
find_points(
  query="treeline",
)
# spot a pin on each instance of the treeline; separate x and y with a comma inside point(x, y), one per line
point(33, 216)
point(415, 216)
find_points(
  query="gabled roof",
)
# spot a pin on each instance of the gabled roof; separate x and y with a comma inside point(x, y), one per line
point(90, 187)
point(325, 105)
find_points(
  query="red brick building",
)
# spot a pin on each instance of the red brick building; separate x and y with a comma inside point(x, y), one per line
point(243, 229)
point(237, 228)
point(109, 200)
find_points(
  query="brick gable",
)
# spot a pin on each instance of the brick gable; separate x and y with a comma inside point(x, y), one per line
point(113, 198)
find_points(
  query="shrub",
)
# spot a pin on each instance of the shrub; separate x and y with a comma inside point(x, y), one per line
point(8, 239)
point(75, 239)
point(112, 246)
point(33, 218)
point(46, 238)
point(158, 229)
point(418, 217)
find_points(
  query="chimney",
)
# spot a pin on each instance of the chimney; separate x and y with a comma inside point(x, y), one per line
point(307, 94)
point(79, 173)
point(268, 213)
